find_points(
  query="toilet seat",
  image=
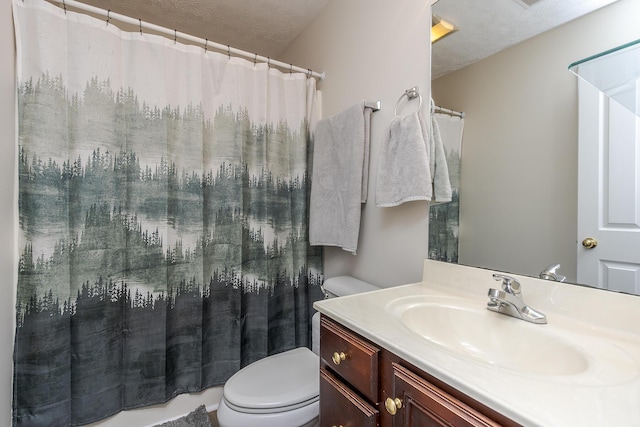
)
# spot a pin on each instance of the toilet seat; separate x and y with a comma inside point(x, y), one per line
point(278, 383)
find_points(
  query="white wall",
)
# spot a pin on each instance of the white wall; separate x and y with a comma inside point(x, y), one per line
point(370, 49)
point(373, 50)
point(518, 197)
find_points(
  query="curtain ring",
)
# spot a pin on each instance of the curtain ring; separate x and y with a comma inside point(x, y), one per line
point(308, 73)
point(268, 62)
point(255, 58)
point(229, 51)
point(206, 41)
point(290, 69)
point(140, 20)
point(175, 36)
point(108, 17)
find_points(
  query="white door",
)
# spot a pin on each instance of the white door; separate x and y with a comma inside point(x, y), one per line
point(608, 192)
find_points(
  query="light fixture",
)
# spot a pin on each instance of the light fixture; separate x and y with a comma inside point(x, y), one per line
point(440, 28)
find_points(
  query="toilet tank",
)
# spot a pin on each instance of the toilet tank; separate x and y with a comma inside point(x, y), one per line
point(339, 286)
point(345, 285)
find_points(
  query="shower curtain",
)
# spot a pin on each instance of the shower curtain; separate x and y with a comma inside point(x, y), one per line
point(444, 217)
point(163, 203)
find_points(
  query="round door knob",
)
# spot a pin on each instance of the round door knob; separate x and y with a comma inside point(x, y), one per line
point(392, 405)
point(338, 357)
point(589, 243)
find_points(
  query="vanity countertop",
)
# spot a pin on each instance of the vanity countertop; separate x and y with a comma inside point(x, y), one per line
point(599, 388)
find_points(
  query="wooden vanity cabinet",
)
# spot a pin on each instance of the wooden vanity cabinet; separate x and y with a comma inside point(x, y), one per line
point(349, 378)
point(424, 404)
point(362, 385)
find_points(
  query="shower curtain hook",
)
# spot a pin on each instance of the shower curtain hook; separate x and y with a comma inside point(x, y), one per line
point(229, 51)
point(206, 41)
point(108, 17)
point(175, 36)
point(290, 69)
point(64, 6)
point(268, 62)
point(308, 73)
point(140, 20)
point(255, 58)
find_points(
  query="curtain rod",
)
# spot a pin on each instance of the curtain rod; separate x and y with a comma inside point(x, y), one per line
point(448, 111)
point(175, 34)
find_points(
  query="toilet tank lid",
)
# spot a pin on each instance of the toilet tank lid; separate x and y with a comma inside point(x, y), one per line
point(341, 286)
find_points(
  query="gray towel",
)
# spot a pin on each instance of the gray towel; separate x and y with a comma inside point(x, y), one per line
point(403, 173)
point(438, 163)
point(339, 178)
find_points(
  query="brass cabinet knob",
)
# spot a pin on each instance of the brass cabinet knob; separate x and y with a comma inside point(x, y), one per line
point(339, 357)
point(392, 405)
point(589, 243)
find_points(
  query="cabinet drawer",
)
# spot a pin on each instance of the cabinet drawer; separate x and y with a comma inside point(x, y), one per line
point(339, 406)
point(350, 357)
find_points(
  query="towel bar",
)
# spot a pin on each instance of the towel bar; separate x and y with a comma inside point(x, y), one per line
point(374, 105)
point(412, 93)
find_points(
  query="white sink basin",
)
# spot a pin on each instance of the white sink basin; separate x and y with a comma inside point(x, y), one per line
point(490, 337)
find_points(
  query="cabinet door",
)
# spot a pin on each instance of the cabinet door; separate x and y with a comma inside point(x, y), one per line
point(423, 404)
point(340, 406)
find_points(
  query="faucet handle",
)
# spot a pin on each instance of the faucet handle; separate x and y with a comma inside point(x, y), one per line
point(509, 284)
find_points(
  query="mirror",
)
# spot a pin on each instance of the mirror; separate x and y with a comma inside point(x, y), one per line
point(519, 170)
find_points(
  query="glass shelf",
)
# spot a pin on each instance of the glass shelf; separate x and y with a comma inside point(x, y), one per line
point(616, 72)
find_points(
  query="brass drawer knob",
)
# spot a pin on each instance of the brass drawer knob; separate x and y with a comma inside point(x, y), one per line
point(338, 357)
point(392, 405)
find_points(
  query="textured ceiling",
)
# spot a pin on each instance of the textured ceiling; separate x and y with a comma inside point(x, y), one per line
point(489, 26)
point(267, 27)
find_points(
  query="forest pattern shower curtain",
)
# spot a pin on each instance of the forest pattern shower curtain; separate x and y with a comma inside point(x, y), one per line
point(444, 217)
point(163, 204)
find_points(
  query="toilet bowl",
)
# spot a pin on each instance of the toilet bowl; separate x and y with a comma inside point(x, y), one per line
point(282, 389)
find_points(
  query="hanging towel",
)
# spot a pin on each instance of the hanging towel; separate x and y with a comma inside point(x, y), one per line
point(451, 130)
point(403, 172)
point(437, 162)
point(340, 178)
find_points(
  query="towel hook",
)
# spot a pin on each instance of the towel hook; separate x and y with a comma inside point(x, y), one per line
point(412, 93)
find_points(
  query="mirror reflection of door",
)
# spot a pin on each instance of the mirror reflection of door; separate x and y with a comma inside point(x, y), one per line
point(608, 193)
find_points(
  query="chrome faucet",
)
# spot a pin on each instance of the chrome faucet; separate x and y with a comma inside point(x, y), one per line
point(509, 301)
point(551, 273)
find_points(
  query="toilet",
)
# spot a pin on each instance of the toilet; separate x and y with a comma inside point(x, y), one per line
point(283, 389)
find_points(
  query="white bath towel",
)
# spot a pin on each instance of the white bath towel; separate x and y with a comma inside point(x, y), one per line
point(340, 178)
point(403, 172)
point(437, 162)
